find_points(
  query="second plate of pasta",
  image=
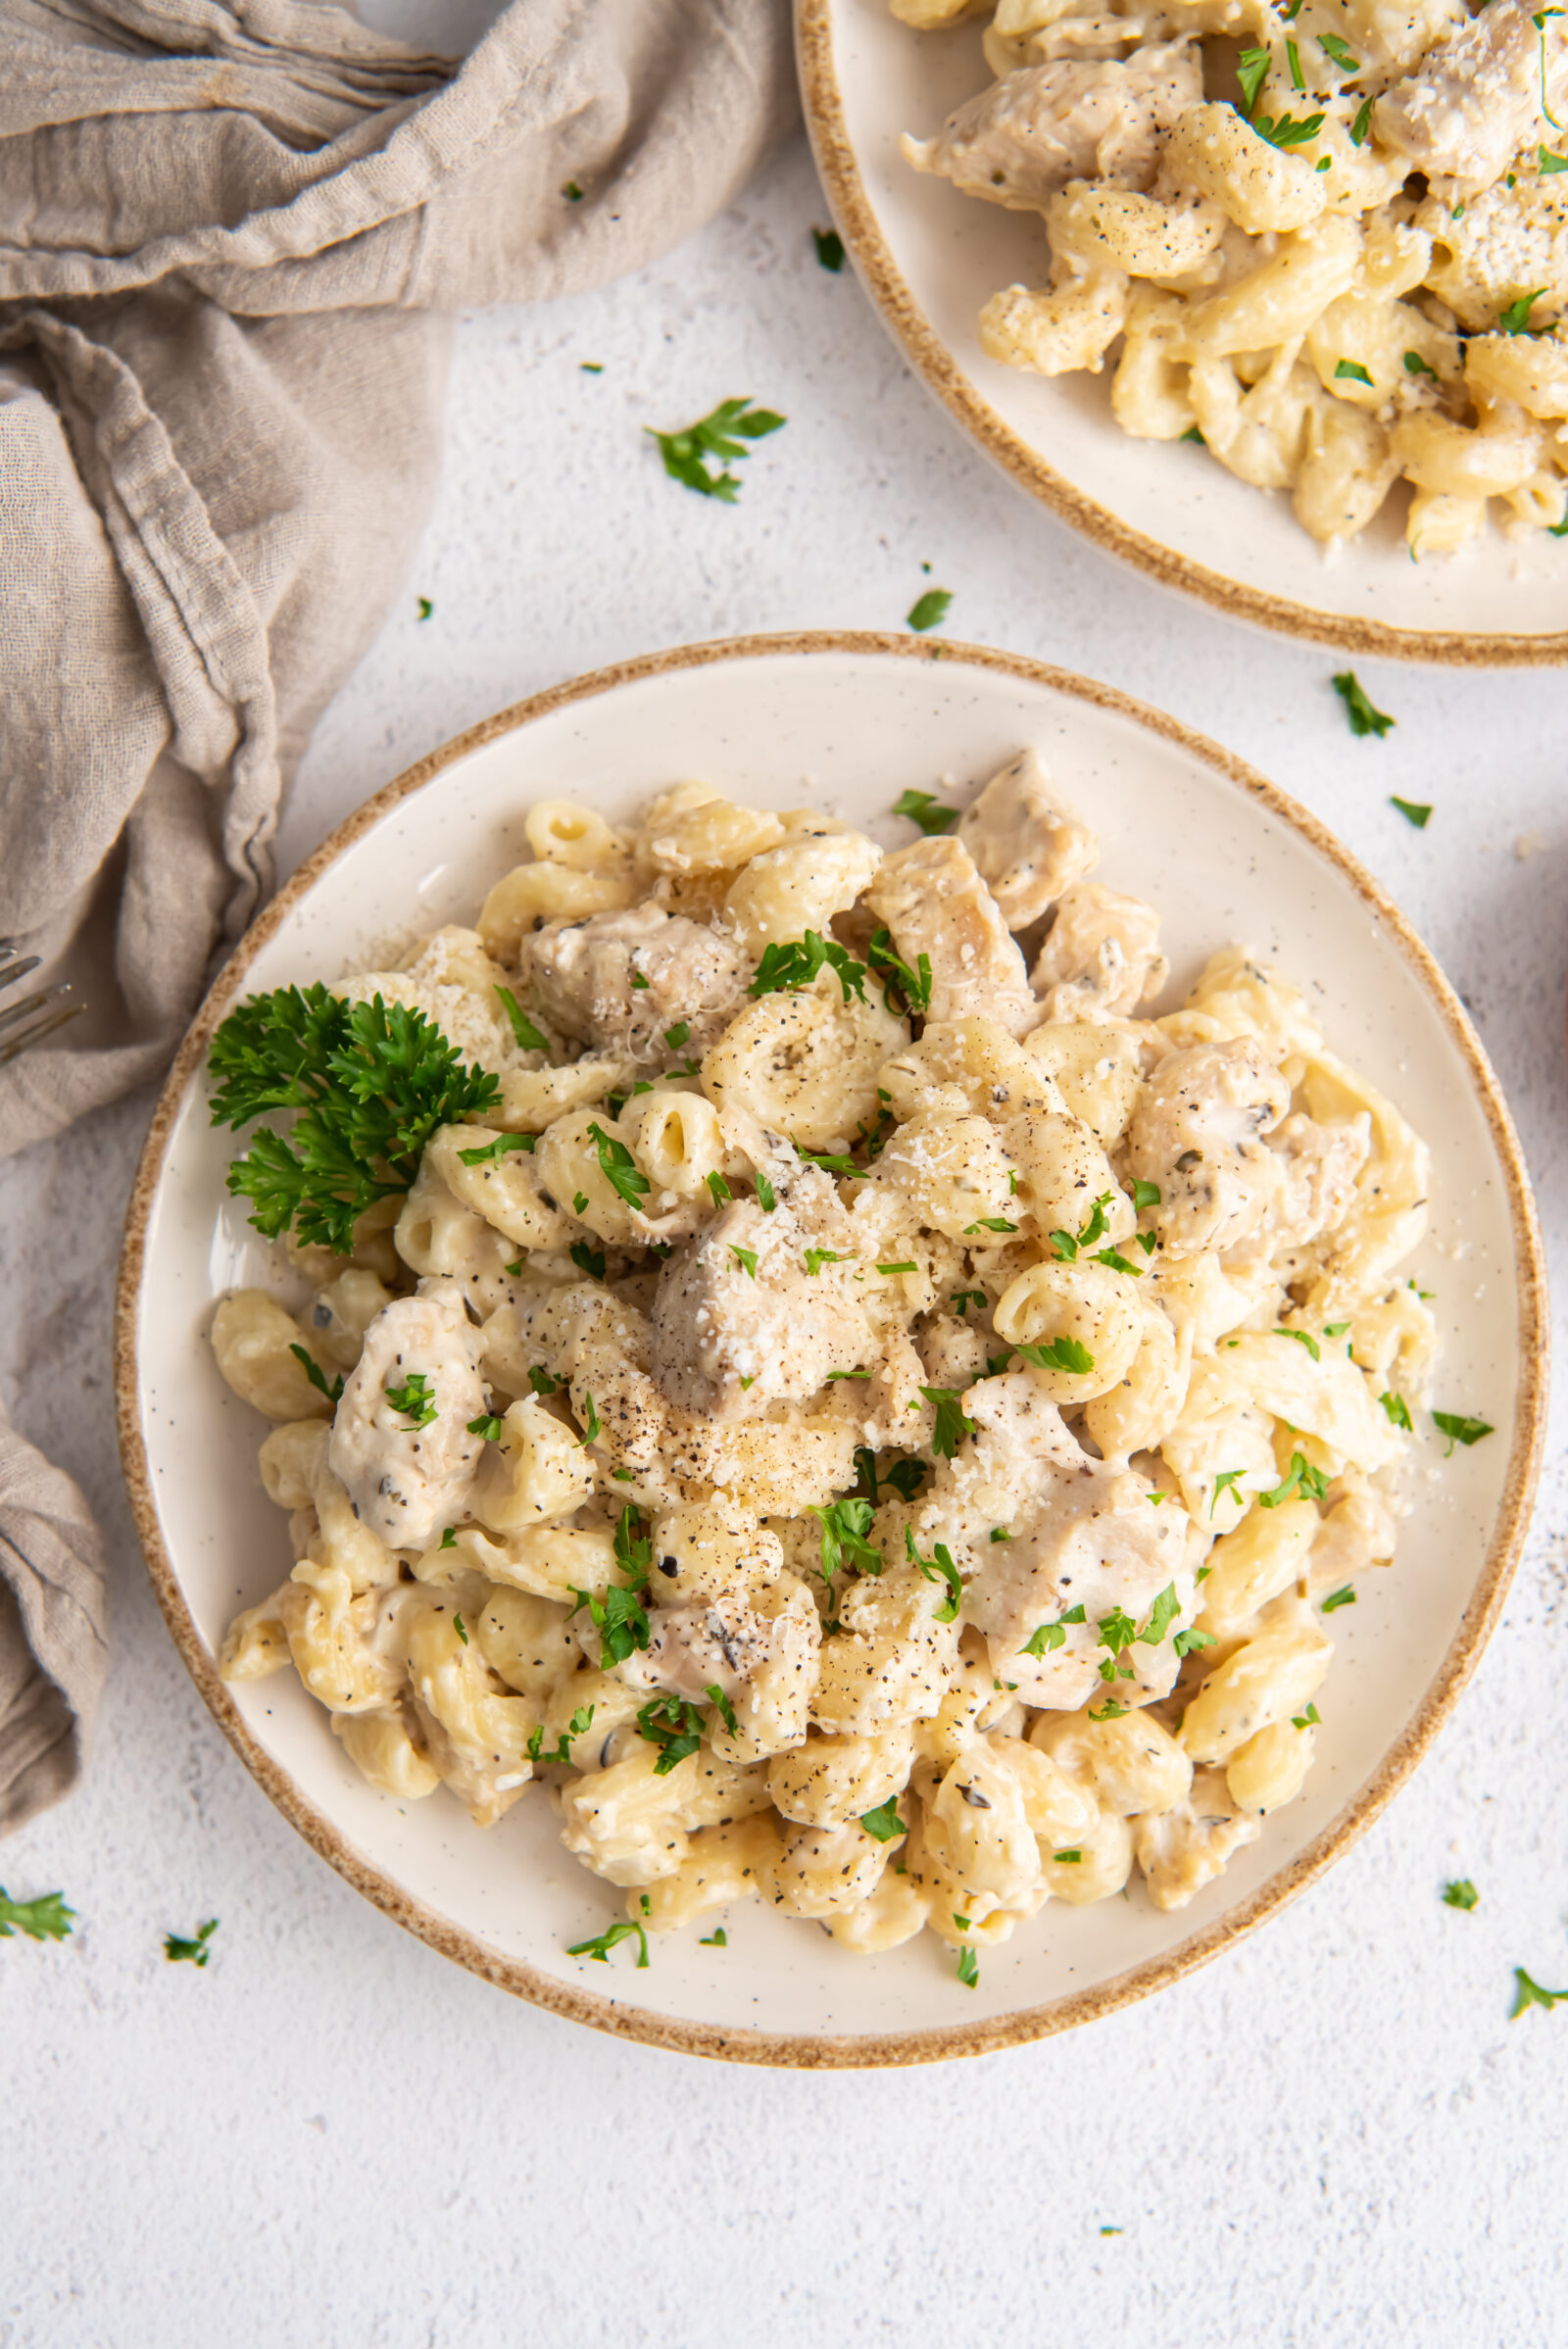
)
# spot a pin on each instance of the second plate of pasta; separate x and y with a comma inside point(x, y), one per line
point(835, 1347)
point(1355, 337)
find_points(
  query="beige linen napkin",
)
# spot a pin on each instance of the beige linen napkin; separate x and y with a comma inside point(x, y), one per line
point(229, 231)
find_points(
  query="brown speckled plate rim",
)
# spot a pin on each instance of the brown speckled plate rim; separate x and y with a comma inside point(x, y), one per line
point(911, 329)
point(805, 2051)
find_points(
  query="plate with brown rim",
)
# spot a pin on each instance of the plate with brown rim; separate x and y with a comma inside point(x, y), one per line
point(845, 723)
point(931, 258)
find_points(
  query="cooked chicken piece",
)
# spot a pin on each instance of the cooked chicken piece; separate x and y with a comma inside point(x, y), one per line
point(1198, 1134)
point(408, 1480)
point(1479, 96)
point(763, 1297)
point(1026, 847)
point(1179, 1851)
point(619, 981)
point(933, 900)
point(1031, 132)
point(1102, 956)
point(1321, 1165)
point(762, 1656)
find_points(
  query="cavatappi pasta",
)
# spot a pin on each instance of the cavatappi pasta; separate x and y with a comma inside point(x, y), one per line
point(869, 1418)
point(1329, 240)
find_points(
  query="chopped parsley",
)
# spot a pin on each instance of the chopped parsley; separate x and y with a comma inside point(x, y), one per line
point(1395, 1409)
point(888, 1270)
point(602, 1943)
point(720, 1189)
point(1227, 1481)
point(746, 1258)
point(1060, 1354)
point(497, 1148)
point(1310, 1719)
point(1515, 320)
point(1548, 162)
point(1459, 1428)
point(845, 1526)
point(674, 1726)
point(1332, 46)
point(1146, 1194)
point(884, 1822)
point(1162, 1615)
point(529, 1040)
point(1069, 1859)
point(1461, 1895)
point(1294, 58)
point(573, 195)
point(1118, 1262)
point(1415, 812)
point(425, 608)
point(1302, 1478)
point(372, 1083)
point(591, 1432)
point(962, 1299)
point(577, 1726)
point(718, 1938)
point(1362, 124)
point(1364, 716)
point(1302, 1338)
point(415, 1397)
point(461, 1629)
point(676, 1036)
point(1045, 1637)
point(913, 987)
point(44, 1918)
point(1531, 1993)
point(968, 1968)
point(796, 963)
point(929, 609)
point(829, 248)
point(1187, 1642)
point(487, 1425)
point(722, 1707)
point(767, 1198)
point(1415, 365)
point(620, 1169)
point(1342, 1597)
point(938, 1567)
point(720, 435)
point(1000, 1532)
point(817, 1258)
point(924, 810)
point(1350, 370)
point(314, 1372)
point(951, 1426)
point(989, 1223)
point(541, 1381)
point(588, 1259)
point(1111, 1710)
point(449, 1538)
point(195, 1953)
point(1288, 130)
point(1251, 72)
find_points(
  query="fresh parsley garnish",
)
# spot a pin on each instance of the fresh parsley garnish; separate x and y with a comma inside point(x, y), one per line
point(602, 1943)
point(767, 1197)
point(1350, 370)
point(1362, 124)
point(845, 1526)
point(487, 1425)
point(587, 1258)
point(1070, 1859)
point(1459, 1428)
point(1531, 1993)
point(196, 1953)
point(372, 1083)
point(1415, 365)
point(461, 1628)
point(415, 1397)
point(928, 610)
point(318, 1378)
point(1310, 1719)
point(720, 1189)
point(1549, 162)
point(1342, 1597)
point(497, 1148)
point(817, 1258)
point(968, 1968)
point(1515, 320)
point(1251, 70)
point(962, 1299)
point(951, 1426)
point(577, 1726)
point(720, 435)
point(722, 1707)
point(829, 248)
point(1288, 130)
point(884, 1822)
point(1303, 1338)
point(1111, 1710)
point(1364, 716)
point(1146, 1194)
point(938, 1566)
point(1227, 1480)
point(1302, 1478)
point(530, 1039)
point(924, 810)
point(718, 1938)
point(1332, 46)
point(1415, 812)
point(674, 1726)
point(1059, 1353)
point(591, 1431)
point(1461, 1895)
point(1187, 1642)
point(540, 1380)
point(1045, 1637)
point(1395, 1409)
point(796, 963)
point(746, 1258)
point(989, 1223)
point(620, 1169)
point(1162, 1615)
point(888, 1270)
point(913, 987)
point(44, 1918)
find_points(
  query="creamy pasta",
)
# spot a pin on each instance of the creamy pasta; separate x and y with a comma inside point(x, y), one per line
point(1329, 241)
point(869, 1416)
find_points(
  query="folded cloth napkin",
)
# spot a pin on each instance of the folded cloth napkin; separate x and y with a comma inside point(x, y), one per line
point(230, 233)
point(52, 1651)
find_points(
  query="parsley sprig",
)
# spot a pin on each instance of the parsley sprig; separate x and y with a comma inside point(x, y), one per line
point(619, 1617)
point(372, 1083)
point(795, 964)
point(845, 1526)
point(939, 1567)
point(1364, 715)
point(719, 436)
point(674, 1726)
point(44, 1918)
point(611, 1939)
point(196, 1953)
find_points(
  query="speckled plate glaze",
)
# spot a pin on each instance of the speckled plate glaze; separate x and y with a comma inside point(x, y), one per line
point(931, 258)
point(843, 723)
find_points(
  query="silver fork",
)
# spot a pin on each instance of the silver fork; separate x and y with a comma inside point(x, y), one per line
point(35, 1017)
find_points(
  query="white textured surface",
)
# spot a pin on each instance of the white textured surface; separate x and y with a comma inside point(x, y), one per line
point(331, 2137)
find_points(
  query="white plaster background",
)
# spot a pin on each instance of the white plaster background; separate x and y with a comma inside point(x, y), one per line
point(331, 2137)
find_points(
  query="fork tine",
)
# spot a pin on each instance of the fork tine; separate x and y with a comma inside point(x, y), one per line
point(11, 972)
point(17, 1045)
point(29, 1003)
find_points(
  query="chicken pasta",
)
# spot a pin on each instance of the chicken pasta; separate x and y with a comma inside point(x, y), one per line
point(1326, 241)
point(806, 1364)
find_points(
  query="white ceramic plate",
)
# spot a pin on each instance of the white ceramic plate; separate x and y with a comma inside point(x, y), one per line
point(931, 258)
point(845, 723)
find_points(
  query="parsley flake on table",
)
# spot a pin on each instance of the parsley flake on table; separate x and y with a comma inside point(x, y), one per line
point(1531, 1993)
point(314, 1372)
point(195, 1953)
point(1461, 1895)
point(940, 1566)
point(1364, 716)
point(425, 608)
point(415, 1397)
point(829, 248)
point(719, 436)
point(796, 963)
point(924, 810)
point(968, 1968)
point(611, 1939)
point(1415, 812)
point(929, 609)
point(884, 1822)
point(1459, 1430)
point(372, 1083)
point(951, 1426)
point(44, 1918)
